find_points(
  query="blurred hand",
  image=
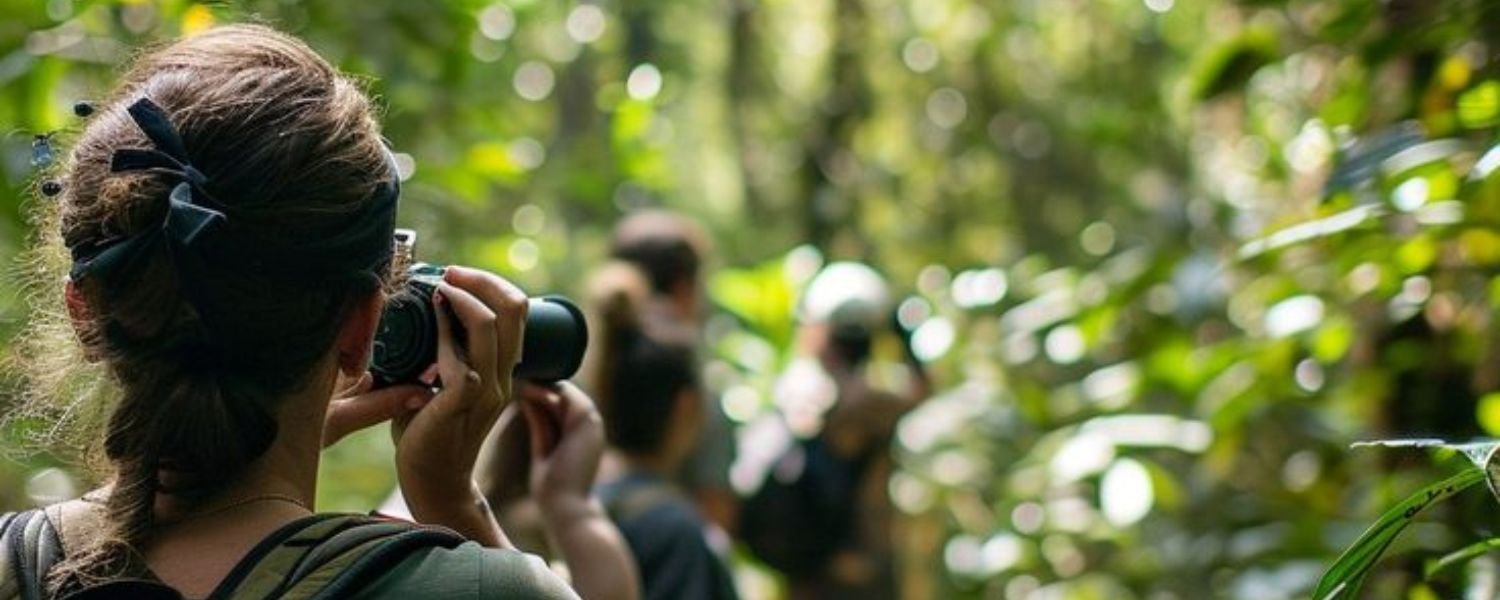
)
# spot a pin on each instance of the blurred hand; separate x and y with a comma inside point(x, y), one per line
point(436, 446)
point(567, 440)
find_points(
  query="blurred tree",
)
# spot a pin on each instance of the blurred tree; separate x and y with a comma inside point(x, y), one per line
point(1170, 257)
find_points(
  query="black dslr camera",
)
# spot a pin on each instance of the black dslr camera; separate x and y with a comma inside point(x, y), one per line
point(406, 341)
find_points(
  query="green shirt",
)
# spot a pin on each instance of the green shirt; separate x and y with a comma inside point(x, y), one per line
point(462, 572)
point(469, 571)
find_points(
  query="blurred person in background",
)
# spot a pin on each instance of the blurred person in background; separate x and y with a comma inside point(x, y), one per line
point(821, 514)
point(645, 375)
point(671, 249)
point(229, 212)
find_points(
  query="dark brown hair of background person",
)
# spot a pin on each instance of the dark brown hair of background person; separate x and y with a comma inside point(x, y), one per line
point(641, 368)
point(294, 162)
point(669, 249)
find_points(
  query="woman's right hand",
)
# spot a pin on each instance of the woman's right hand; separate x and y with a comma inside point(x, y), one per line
point(436, 446)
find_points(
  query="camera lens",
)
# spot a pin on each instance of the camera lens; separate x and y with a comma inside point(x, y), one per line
point(406, 341)
point(556, 335)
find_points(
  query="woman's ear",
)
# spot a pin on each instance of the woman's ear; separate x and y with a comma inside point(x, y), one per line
point(82, 319)
point(357, 335)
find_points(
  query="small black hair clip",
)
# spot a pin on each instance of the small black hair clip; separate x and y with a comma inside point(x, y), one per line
point(83, 108)
point(41, 150)
point(51, 188)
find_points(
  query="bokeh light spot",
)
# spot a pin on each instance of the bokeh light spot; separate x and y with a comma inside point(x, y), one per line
point(946, 107)
point(919, 55)
point(1065, 344)
point(1293, 315)
point(523, 254)
point(586, 23)
point(1125, 493)
point(534, 81)
point(529, 219)
point(1098, 238)
point(644, 82)
point(497, 22)
point(933, 339)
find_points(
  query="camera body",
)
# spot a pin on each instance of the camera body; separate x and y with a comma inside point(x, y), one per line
point(406, 341)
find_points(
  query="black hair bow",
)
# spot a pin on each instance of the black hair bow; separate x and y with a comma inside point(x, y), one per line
point(187, 222)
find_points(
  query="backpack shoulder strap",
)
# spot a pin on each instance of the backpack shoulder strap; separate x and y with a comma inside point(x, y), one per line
point(31, 547)
point(356, 569)
point(265, 570)
point(330, 556)
point(10, 551)
point(327, 556)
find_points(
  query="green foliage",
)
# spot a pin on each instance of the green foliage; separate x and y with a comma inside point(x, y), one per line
point(1228, 67)
point(1344, 578)
point(1175, 255)
point(1460, 557)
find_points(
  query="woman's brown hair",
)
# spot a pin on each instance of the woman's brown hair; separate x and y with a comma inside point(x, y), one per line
point(197, 361)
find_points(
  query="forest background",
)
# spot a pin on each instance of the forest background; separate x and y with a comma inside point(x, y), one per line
point(1167, 259)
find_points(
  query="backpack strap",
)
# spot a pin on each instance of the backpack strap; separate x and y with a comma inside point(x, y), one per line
point(330, 556)
point(324, 556)
point(9, 587)
point(370, 564)
point(31, 547)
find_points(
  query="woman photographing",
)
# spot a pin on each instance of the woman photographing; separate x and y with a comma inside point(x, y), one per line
point(227, 218)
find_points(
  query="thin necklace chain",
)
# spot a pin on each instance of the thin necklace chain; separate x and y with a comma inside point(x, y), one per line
point(246, 501)
point(93, 498)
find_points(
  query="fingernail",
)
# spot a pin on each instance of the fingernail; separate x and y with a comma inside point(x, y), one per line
point(437, 297)
point(416, 402)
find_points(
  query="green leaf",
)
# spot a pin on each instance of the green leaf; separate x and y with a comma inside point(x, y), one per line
point(1227, 67)
point(1459, 557)
point(1333, 339)
point(761, 296)
point(1488, 413)
point(1479, 107)
point(1346, 575)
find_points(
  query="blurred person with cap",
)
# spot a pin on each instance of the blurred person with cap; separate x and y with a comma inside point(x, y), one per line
point(821, 514)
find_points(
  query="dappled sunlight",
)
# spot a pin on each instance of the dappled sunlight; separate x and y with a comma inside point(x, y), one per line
point(1171, 299)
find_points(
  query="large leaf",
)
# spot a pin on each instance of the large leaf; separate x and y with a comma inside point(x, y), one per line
point(1346, 575)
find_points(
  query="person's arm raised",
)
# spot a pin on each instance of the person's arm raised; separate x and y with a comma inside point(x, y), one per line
point(567, 440)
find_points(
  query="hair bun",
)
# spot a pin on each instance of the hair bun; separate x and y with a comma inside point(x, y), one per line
point(618, 293)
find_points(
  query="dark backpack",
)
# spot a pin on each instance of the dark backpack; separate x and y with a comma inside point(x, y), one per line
point(803, 512)
point(319, 557)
